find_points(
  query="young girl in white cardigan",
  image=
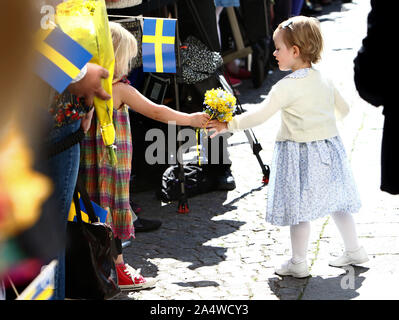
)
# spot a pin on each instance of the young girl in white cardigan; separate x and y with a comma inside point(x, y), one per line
point(311, 175)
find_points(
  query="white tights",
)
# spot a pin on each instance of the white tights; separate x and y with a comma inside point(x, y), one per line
point(300, 234)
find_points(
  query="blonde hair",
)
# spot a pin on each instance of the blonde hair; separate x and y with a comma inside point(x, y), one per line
point(125, 49)
point(303, 32)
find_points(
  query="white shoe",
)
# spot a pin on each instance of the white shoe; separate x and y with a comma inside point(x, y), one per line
point(297, 270)
point(351, 257)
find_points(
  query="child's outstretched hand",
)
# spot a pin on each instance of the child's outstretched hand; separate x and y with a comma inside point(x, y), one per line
point(199, 119)
point(217, 127)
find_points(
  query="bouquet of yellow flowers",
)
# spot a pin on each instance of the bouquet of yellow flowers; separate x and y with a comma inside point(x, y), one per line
point(220, 104)
point(86, 21)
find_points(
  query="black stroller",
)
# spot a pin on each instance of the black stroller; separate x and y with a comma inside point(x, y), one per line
point(218, 79)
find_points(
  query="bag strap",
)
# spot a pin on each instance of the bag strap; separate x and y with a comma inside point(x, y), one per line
point(66, 143)
point(77, 206)
point(86, 201)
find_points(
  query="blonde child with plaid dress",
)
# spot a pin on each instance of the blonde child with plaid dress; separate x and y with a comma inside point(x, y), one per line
point(108, 185)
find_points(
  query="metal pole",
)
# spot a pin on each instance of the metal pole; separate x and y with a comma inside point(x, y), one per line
point(183, 203)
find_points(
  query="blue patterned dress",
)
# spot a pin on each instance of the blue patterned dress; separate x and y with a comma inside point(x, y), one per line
point(310, 180)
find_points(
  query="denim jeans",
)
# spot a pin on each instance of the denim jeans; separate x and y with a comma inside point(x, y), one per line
point(63, 169)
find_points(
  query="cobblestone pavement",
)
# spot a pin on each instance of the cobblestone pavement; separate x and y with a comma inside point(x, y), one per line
point(224, 249)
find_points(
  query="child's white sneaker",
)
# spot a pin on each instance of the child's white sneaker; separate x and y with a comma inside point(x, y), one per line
point(297, 270)
point(351, 257)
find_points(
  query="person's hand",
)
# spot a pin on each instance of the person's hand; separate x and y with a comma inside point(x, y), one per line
point(217, 127)
point(90, 86)
point(199, 119)
point(86, 121)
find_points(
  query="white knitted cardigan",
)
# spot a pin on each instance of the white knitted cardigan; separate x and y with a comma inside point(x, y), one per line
point(123, 4)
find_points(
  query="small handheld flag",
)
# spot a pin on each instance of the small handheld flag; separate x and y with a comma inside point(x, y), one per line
point(59, 58)
point(42, 288)
point(158, 45)
point(100, 212)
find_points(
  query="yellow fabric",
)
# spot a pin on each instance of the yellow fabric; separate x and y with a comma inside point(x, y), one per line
point(87, 23)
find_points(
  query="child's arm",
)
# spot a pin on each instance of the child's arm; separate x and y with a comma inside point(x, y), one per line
point(139, 103)
point(260, 114)
point(341, 106)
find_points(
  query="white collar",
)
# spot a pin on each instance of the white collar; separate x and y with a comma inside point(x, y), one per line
point(298, 74)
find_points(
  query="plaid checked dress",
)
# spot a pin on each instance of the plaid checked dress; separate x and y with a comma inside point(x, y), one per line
point(106, 185)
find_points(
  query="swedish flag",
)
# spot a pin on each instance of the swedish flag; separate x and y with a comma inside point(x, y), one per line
point(59, 58)
point(158, 45)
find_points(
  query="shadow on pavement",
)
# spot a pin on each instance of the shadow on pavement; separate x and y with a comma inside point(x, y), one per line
point(342, 287)
point(182, 237)
point(198, 284)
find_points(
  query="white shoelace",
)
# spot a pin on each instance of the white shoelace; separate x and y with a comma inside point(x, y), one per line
point(135, 274)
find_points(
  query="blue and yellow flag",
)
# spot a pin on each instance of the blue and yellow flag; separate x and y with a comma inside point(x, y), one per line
point(159, 45)
point(100, 212)
point(42, 288)
point(59, 58)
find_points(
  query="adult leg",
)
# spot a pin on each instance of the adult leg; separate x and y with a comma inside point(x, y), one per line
point(389, 159)
point(63, 169)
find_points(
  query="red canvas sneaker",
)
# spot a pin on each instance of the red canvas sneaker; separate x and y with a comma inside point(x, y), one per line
point(131, 279)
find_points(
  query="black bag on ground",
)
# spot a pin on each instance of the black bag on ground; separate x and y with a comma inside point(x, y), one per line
point(197, 181)
point(89, 258)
